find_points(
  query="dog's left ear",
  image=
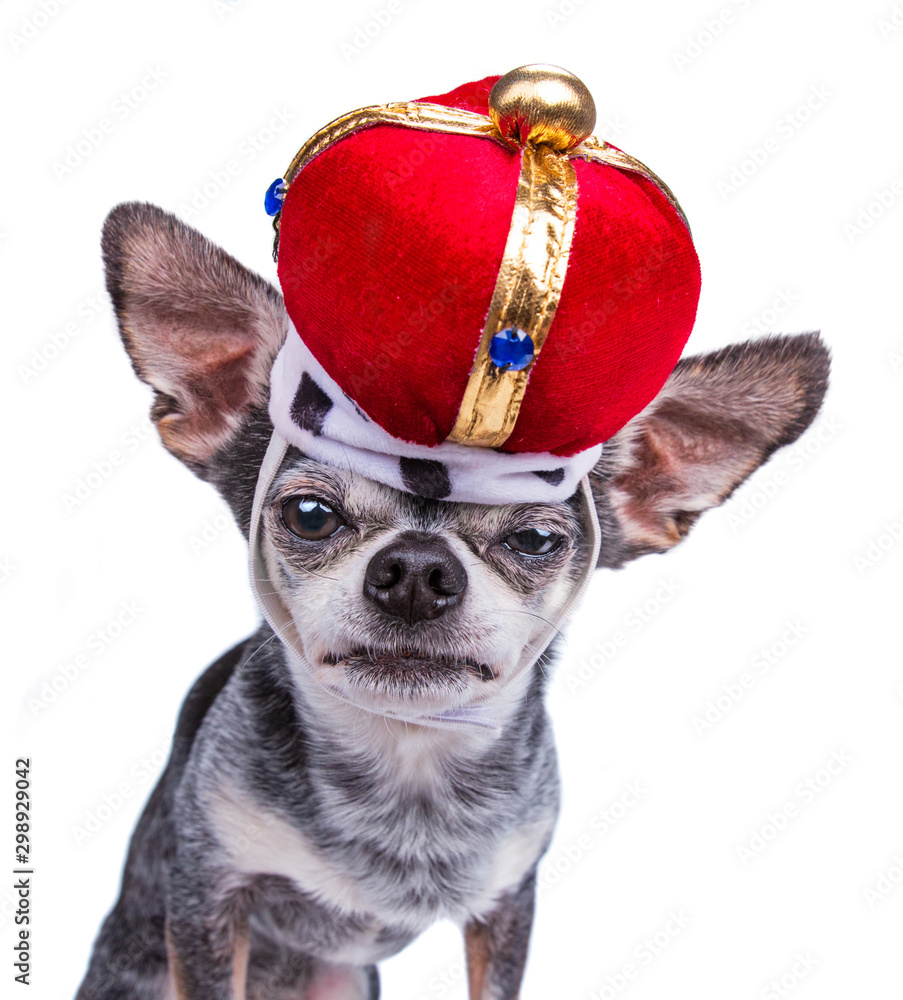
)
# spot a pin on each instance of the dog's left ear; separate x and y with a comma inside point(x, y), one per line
point(717, 419)
point(200, 328)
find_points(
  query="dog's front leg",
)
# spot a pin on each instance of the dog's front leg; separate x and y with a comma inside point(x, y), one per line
point(208, 961)
point(496, 945)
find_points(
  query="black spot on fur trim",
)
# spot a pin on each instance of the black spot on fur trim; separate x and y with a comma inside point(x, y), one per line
point(425, 477)
point(554, 477)
point(310, 406)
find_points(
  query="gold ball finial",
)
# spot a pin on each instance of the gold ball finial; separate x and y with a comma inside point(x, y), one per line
point(542, 104)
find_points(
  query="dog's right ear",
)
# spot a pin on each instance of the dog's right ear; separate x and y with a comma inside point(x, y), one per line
point(716, 420)
point(200, 328)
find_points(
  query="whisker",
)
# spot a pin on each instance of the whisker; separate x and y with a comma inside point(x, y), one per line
point(512, 611)
point(260, 647)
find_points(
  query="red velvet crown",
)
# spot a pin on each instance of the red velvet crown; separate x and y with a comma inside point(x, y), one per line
point(390, 242)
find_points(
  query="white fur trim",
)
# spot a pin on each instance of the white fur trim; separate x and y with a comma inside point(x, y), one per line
point(341, 435)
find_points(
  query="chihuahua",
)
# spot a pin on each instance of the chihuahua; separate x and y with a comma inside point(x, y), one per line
point(319, 811)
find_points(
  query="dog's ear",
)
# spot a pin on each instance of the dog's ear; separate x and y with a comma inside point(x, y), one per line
point(717, 419)
point(200, 328)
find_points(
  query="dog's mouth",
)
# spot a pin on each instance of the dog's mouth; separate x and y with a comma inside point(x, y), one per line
point(368, 666)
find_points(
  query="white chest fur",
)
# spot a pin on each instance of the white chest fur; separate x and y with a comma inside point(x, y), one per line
point(258, 842)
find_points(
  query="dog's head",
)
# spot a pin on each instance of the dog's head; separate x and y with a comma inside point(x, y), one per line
point(399, 600)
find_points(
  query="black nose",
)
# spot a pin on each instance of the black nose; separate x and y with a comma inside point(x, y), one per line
point(416, 578)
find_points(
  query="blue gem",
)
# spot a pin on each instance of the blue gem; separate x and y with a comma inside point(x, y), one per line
point(511, 349)
point(272, 200)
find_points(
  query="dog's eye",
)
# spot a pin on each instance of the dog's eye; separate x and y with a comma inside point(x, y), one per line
point(310, 519)
point(533, 542)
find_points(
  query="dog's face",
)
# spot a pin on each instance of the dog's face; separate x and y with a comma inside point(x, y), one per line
point(398, 600)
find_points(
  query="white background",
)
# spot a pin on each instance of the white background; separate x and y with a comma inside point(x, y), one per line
point(810, 541)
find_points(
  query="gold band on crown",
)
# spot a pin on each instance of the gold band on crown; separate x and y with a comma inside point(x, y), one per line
point(526, 294)
point(600, 152)
point(411, 114)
